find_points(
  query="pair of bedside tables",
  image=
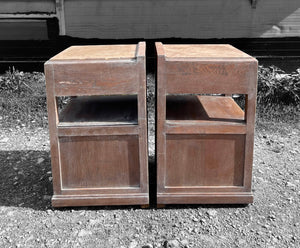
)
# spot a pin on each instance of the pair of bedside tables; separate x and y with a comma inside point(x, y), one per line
point(204, 139)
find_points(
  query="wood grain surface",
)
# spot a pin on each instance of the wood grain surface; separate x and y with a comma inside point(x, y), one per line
point(119, 19)
point(99, 161)
point(203, 51)
point(27, 6)
point(148, 19)
point(95, 78)
point(204, 160)
point(105, 52)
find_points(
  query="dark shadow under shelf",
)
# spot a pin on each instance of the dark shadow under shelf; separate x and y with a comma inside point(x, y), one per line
point(100, 110)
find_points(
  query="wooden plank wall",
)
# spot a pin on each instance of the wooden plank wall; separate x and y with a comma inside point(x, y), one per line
point(25, 19)
point(27, 6)
point(152, 19)
point(200, 19)
point(23, 29)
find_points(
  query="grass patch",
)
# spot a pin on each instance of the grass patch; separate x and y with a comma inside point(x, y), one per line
point(277, 87)
point(23, 99)
point(278, 96)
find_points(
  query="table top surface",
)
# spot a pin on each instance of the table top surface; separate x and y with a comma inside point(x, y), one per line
point(203, 51)
point(102, 52)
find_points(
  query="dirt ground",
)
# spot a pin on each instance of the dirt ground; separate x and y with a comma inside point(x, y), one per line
point(28, 220)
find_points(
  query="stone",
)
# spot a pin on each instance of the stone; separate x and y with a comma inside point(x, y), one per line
point(202, 221)
point(47, 197)
point(212, 213)
point(40, 160)
point(271, 217)
point(4, 140)
point(133, 244)
point(147, 246)
point(291, 185)
point(184, 243)
point(94, 222)
point(171, 244)
point(83, 233)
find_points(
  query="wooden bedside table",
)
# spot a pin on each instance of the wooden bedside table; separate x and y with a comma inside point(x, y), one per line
point(99, 141)
point(204, 140)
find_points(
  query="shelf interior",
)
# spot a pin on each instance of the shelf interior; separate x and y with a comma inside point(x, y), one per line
point(203, 108)
point(100, 110)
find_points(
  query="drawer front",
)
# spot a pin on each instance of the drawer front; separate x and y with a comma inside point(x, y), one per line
point(95, 78)
point(210, 77)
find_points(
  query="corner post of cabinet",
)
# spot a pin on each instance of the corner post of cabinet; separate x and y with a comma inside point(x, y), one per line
point(142, 115)
point(53, 121)
point(141, 64)
point(250, 109)
point(161, 117)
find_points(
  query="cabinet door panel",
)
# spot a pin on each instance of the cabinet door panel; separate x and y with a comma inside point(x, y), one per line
point(204, 160)
point(99, 162)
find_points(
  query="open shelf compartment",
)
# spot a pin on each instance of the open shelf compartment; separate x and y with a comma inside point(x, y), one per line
point(100, 111)
point(203, 108)
point(204, 114)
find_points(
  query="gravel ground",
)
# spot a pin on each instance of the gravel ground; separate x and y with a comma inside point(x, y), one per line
point(28, 220)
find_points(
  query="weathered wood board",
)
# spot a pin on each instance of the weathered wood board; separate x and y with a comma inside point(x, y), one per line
point(23, 29)
point(27, 6)
point(148, 19)
point(119, 19)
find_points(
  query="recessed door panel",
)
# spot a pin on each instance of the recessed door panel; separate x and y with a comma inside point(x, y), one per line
point(99, 161)
point(204, 160)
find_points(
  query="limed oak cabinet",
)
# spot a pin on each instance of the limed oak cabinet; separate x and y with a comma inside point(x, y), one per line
point(204, 138)
point(99, 140)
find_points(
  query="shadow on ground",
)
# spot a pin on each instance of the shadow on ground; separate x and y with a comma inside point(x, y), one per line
point(25, 179)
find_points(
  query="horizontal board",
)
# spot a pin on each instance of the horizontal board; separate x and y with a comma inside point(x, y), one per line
point(23, 29)
point(91, 130)
point(210, 77)
point(103, 190)
point(95, 78)
point(181, 19)
point(204, 127)
point(210, 198)
point(27, 6)
point(100, 199)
